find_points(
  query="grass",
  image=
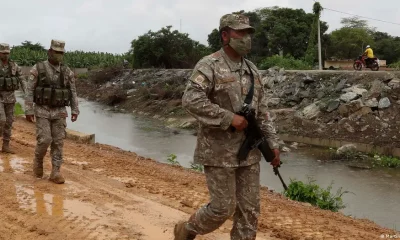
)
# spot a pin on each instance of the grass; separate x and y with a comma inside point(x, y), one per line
point(18, 109)
point(386, 161)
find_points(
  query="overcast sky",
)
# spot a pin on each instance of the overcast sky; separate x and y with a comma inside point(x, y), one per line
point(110, 25)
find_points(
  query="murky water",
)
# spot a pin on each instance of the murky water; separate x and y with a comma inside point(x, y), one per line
point(375, 193)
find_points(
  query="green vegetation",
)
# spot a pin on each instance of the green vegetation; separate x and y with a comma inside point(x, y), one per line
point(172, 159)
point(28, 54)
point(288, 62)
point(196, 167)
point(315, 195)
point(18, 109)
point(386, 161)
point(166, 49)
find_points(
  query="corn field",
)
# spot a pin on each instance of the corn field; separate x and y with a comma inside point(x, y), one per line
point(75, 59)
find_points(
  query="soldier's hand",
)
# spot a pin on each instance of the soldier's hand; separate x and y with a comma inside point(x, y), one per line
point(74, 117)
point(30, 118)
point(276, 162)
point(239, 122)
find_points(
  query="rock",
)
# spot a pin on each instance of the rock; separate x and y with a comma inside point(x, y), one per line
point(333, 105)
point(384, 125)
point(384, 103)
point(346, 148)
point(356, 90)
point(340, 85)
point(360, 113)
point(311, 111)
point(364, 128)
point(308, 80)
point(320, 94)
point(274, 101)
point(286, 149)
point(304, 94)
point(294, 145)
point(348, 127)
point(394, 83)
point(347, 97)
point(347, 109)
point(372, 103)
point(376, 89)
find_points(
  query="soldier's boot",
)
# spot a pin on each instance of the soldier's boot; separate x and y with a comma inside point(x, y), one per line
point(37, 168)
point(56, 176)
point(6, 147)
point(182, 233)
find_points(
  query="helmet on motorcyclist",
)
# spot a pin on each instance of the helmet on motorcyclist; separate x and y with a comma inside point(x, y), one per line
point(368, 46)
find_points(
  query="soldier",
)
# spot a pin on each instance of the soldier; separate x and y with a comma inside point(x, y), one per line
point(10, 79)
point(51, 86)
point(215, 92)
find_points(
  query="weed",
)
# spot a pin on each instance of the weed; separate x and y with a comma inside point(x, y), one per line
point(172, 159)
point(196, 167)
point(315, 195)
point(386, 161)
point(18, 109)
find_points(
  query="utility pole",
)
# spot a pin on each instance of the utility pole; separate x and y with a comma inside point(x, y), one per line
point(319, 44)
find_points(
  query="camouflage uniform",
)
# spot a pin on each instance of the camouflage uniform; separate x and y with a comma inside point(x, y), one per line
point(8, 99)
point(50, 121)
point(215, 91)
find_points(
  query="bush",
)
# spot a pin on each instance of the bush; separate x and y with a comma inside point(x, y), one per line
point(386, 161)
point(315, 195)
point(288, 62)
point(395, 65)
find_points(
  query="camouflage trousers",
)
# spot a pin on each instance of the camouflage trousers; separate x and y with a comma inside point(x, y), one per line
point(232, 191)
point(50, 132)
point(6, 120)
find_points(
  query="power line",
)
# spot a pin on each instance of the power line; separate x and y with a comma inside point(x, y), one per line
point(360, 16)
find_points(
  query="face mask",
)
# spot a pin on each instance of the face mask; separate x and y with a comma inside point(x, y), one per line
point(57, 57)
point(242, 46)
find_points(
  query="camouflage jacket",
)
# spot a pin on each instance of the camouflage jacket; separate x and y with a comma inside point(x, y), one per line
point(215, 91)
point(9, 96)
point(45, 111)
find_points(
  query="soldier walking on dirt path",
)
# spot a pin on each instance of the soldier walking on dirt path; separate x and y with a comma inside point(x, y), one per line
point(215, 92)
point(51, 86)
point(10, 79)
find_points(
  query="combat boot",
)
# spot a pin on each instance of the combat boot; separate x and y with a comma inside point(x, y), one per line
point(182, 233)
point(56, 176)
point(38, 168)
point(6, 147)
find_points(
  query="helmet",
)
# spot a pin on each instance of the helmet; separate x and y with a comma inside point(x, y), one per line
point(368, 46)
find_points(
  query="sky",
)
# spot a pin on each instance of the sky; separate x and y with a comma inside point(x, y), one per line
point(111, 25)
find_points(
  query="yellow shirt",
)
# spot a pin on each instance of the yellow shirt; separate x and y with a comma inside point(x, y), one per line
point(369, 52)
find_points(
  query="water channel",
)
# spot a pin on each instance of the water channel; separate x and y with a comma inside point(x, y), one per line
point(376, 191)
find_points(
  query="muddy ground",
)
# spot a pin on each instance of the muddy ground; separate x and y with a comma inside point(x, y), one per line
point(114, 194)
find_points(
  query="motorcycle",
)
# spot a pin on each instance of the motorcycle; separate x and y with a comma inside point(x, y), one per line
point(359, 63)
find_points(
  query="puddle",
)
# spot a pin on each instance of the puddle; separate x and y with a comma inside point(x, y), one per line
point(12, 164)
point(92, 217)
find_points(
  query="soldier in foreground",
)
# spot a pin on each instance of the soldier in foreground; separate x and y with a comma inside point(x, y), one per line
point(10, 79)
point(50, 88)
point(215, 92)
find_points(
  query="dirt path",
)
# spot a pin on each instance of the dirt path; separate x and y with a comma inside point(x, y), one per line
point(114, 194)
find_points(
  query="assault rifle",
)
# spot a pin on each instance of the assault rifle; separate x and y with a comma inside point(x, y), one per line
point(255, 138)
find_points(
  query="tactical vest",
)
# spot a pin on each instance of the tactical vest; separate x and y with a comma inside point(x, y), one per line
point(49, 93)
point(8, 82)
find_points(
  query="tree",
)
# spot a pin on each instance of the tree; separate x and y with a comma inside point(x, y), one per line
point(354, 22)
point(166, 48)
point(386, 47)
point(29, 45)
point(214, 40)
point(347, 43)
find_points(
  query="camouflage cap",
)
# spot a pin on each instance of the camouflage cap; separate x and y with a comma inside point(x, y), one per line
point(236, 22)
point(57, 45)
point(4, 48)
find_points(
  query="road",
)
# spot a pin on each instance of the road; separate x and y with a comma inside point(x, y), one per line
point(114, 194)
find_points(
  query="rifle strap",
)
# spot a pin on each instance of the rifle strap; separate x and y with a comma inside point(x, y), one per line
point(249, 96)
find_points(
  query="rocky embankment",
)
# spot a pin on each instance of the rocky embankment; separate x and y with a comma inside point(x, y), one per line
point(344, 105)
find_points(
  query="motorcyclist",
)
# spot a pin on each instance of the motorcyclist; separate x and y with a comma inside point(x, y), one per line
point(369, 54)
